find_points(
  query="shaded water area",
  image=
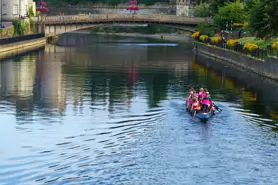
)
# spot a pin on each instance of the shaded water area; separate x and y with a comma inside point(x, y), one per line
point(110, 110)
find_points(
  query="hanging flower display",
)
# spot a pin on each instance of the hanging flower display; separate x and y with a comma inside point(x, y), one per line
point(250, 47)
point(204, 38)
point(232, 44)
point(43, 8)
point(133, 7)
point(196, 35)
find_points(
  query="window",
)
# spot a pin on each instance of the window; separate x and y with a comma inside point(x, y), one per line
point(4, 9)
point(15, 9)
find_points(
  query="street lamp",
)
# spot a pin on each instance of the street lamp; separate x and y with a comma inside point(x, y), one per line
point(1, 12)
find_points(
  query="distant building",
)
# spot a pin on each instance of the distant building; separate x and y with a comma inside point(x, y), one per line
point(13, 9)
point(181, 7)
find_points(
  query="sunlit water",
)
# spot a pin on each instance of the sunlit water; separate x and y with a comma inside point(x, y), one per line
point(110, 110)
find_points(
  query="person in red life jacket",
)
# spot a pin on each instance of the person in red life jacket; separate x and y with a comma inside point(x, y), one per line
point(196, 106)
point(211, 107)
point(200, 95)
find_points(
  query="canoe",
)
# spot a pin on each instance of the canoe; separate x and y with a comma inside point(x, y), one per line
point(203, 116)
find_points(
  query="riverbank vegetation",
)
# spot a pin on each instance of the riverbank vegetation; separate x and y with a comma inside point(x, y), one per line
point(257, 17)
point(21, 27)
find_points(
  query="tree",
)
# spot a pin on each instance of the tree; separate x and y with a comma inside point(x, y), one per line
point(207, 29)
point(263, 18)
point(233, 11)
point(202, 10)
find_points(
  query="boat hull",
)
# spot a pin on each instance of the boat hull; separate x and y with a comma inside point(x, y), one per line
point(203, 116)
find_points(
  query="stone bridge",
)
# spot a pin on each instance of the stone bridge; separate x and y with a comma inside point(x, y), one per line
point(55, 25)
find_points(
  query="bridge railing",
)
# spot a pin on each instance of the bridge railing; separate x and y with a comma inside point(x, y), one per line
point(121, 17)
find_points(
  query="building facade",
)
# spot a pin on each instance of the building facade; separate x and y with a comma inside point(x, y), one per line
point(181, 7)
point(13, 9)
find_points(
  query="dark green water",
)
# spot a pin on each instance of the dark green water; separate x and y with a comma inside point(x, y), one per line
point(110, 110)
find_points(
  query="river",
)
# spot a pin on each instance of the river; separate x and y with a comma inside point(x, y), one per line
point(110, 110)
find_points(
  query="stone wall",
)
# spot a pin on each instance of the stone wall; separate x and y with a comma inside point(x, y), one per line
point(264, 86)
point(21, 47)
point(267, 68)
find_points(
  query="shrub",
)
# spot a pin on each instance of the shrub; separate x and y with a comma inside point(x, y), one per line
point(196, 35)
point(202, 10)
point(38, 14)
point(32, 25)
point(204, 38)
point(250, 47)
point(275, 46)
point(27, 28)
point(232, 44)
point(216, 40)
point(31, 12)
point(207, 29)
point(19, 27)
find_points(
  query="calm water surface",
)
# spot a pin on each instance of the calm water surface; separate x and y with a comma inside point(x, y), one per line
point(110, 110)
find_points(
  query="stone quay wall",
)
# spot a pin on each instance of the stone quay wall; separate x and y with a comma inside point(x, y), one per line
point(267, 68)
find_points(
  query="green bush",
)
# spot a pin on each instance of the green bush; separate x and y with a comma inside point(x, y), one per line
point(38, 14)
point(207, 29)
point(27, 28)
point(32, 25)
point(31, 12)
point(19, 27)
point(202, 10)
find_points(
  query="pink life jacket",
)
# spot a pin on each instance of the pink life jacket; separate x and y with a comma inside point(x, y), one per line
point(206, 102)
point(204, 95)
point(196, 95)
point(189, 99)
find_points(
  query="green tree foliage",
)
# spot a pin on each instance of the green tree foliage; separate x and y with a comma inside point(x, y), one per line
point(202, 10)
point(263, 18)
point(207, 29)
point(215, 5)
point(233, 11)
point(31, 12)
point(19, 27)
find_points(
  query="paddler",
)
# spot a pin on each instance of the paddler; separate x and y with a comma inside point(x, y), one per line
point(195, 94)
point(211, 107)
point(196, 106)
point(200, 93)
point(190, 98)
point(206, 103)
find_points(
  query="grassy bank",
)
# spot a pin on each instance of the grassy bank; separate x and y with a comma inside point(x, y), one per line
point(252, 40)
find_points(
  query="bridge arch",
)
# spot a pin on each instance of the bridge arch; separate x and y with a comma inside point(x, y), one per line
point(55, 25)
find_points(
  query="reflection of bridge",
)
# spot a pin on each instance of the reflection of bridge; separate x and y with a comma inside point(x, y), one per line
point(55, 25)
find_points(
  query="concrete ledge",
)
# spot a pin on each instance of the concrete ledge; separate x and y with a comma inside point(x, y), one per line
point(21, 47)
point(267, 68)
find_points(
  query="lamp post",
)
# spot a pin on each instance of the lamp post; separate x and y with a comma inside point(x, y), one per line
point(1, 12)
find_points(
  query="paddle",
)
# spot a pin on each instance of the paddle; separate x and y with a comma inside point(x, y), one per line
point(194, 115)
point(217, 108)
